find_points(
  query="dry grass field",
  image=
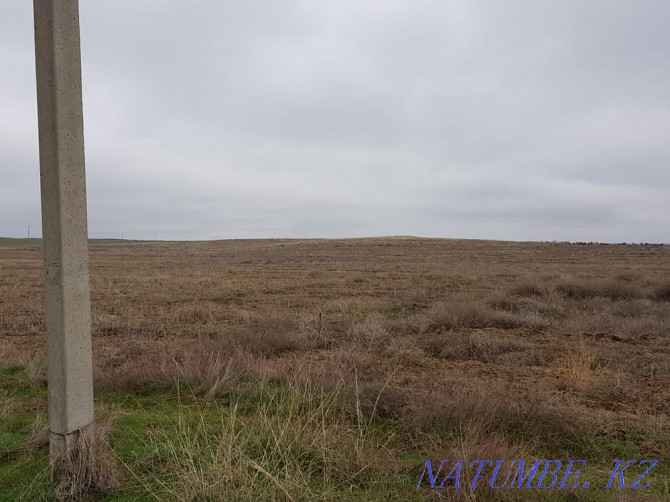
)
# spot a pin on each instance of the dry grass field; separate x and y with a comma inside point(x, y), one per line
point(331, 369)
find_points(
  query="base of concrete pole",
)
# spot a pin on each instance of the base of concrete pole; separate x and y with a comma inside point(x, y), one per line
point(82, 463)
point(72, 461)
point(58, 445)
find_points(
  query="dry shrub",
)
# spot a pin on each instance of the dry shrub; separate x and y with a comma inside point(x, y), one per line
point(503, 301)
point(316, 331)
point(193, 314)
point(616, 360)
point(370, 334)
point(475, 442)
point(265, 335)
point(381, 400)
point(522, 415)
point(409, 326)
point(662, 293)
point(354, 307)
point(103, 321)
point(629, 276)
point(9, 354)
point(576, 290)
point(151, 364)
point(629, 309)
point(405, 350)
point(343, 366)
point(135, 364)
point(528, 288)
point(469, 314)
point(23, 323)
point(86, 466)
point(213, 365)
point(261, 343)
point(552, 306)
point(603, 323)
point(614, 390)
point(617, 291)
point(537, 312)
point(581, 290)
point(490, 347)
point(437, 344)
point(209, 365)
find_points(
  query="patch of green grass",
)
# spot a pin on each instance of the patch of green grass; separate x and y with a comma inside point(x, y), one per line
point(13, 383)
point(19, 423)
point(10, 241)
point(283, 441)
point(12, 370)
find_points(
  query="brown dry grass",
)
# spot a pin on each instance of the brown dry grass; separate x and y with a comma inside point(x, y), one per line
point(160, 308)
point(514, 341)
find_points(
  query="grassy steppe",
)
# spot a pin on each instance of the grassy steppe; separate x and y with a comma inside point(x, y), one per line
point(330, 370)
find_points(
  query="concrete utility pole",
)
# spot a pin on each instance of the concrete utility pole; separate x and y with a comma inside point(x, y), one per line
point(64, 225)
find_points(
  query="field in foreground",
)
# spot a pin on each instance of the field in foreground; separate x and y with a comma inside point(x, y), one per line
point(332, 369)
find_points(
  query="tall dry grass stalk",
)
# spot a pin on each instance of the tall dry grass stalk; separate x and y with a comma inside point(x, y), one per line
point(86, 466)
point(299, 442)
point(581, 366)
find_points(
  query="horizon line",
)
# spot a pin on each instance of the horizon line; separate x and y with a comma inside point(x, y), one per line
point(400, 236)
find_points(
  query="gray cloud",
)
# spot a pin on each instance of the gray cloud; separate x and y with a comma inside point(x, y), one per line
point(508, 120)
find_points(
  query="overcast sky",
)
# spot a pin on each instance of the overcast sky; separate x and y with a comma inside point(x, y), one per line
point(206, 119)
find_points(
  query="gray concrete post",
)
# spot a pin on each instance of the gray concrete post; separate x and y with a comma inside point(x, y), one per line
point(64, 221)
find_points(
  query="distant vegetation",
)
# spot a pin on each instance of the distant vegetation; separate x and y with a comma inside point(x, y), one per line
point(10, 241)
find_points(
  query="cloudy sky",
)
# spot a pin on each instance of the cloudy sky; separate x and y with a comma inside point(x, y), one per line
point(207, 119)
